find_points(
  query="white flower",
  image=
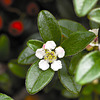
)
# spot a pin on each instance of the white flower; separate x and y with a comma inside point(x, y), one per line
point(50, 56)
point(95, 41)
point(40, 53)
point(43, 65)
point(95, 31)
point(50, 45)
point(92, 44)
point(56, 65)
point(60, 52)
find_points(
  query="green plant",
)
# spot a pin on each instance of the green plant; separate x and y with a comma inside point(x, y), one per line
point(76, 38)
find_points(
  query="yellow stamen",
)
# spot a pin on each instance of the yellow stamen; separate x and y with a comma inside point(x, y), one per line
point(50, 56)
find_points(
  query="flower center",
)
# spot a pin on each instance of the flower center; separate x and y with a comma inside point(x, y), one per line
point(50, 56)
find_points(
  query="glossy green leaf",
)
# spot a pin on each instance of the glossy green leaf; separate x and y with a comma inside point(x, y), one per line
point(17, 69)
point(74, 62)
point(5, 97)
point(4, 78)
point(94, 15)
point(48, 27)
point(68, 94)
point(37, 79)
point(27, 56)
point(77, 42)
point(35, 44)
point(4, 47)
point(88, 68)
point(68, 27)
point(68, 81)
point(94, 25)
point(82, 7)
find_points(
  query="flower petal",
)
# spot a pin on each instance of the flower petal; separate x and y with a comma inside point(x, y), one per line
point(43, 46)
point(56, 65)
point(95, 31)
point(50, 45)
point(43, 65)
point(40, 53)
point(92, 44)
point(60, 52)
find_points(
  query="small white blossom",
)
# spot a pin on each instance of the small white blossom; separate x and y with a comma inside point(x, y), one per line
point(95, 31)
point(43, 65)
point(92, 44)
point(40, 53)
point(50, 45)
point(95, 41)
point(50, 56)
point(60, 52)
point(56, 65)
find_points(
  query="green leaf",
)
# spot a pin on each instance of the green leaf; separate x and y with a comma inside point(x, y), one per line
point(74, 62)
point(65, 9)
point(17, 69)
point(68, 94)
point(68, 27)
point(82, 7)
point(68, 81)
point(94, 25)
point(85, 97)
point(77, 42)
point(37, 79)
point(94, 15)
point(5, 97)
point(48, 27)
point(88, 68)
point(4, 78)
point(27, 56)
point(4, 47)
point(97, 88)
point(88, 89)
point(35, 44)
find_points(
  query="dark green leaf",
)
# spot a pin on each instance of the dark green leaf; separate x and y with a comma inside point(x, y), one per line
point(37, 79)
point(5, 97)
point(82, 7)
point(88, 68)
point(88, 89)
point(94, 25)
point(4, 78)
point(4, 47)
point(85, 97)
point(65, 9)
point(17, 69)
point(68, 94)
point(97, 88)
point(27, 56)
point(74, 62)
point(68, 81)
point(68, 27)
point(77, 42)
point(35, 44)
point(48, 27)
point(94, 15)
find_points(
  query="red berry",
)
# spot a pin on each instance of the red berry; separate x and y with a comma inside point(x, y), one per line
point(1, 22)
point(6, 2)
point(16, 28)
point(32, 9)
